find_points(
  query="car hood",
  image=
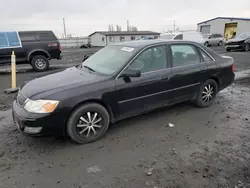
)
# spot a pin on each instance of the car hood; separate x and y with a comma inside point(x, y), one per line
point(235, 40)
point(67, 79)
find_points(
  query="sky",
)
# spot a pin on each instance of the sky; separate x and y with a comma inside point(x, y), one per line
point(82, 17)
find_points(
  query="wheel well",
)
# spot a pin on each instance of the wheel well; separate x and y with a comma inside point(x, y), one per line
point(97, 101)
point(216, 80)
point(33, 54)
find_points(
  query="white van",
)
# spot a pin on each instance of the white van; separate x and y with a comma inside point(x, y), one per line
point(188, 36)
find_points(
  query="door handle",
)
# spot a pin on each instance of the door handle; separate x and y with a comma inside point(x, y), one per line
point(203, 70)
point(166, 78)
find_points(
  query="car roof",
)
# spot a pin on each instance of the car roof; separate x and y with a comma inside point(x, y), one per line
point(145, 43)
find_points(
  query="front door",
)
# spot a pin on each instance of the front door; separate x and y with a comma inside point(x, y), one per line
point(189, 71)
point(151, 89)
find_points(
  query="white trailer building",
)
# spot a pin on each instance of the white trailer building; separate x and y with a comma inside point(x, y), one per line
point(225, 26)
point(104, 38)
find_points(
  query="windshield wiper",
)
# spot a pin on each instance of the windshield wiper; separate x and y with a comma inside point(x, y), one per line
point(87, 67)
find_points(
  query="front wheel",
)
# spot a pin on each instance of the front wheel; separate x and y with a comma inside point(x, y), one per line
point(88, 123)
point(247, 47)
point(206, 44)
point(228, 49)
point(207, 94)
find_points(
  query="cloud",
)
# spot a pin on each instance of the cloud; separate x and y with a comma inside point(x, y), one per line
point(85, 16)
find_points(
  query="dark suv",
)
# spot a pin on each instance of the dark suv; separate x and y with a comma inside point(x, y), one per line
point(38, 47)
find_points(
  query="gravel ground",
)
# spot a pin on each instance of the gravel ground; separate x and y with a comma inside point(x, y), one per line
point(207, 147)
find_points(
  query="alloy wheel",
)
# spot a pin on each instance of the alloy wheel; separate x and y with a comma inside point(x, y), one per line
point(90, 124)
point(208, 93)
point(40, 63)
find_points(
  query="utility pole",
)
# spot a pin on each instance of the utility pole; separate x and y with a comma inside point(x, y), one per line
point(127, 25)
point(65, 34)
point(174, 25)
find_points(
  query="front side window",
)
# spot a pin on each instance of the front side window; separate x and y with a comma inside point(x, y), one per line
point(109, 59)
point(150, 60)
point(184, 54)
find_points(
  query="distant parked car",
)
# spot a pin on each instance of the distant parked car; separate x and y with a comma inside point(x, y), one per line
point(85, 46)
point(38, 47)
point(117, 82)
point(213, 40)
point(241, 41)
point(187, 36)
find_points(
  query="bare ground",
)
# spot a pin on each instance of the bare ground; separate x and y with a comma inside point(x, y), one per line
point(207, 147)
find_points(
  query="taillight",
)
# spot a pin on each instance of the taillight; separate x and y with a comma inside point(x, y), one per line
point(233, 68)
point(60, 47)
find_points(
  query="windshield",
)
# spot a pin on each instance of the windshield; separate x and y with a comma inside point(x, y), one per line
point(109, 59)
point(243, 36)
point(167, 36)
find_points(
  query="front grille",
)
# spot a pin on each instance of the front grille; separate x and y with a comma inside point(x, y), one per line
point(233, 43)
point(21, 99)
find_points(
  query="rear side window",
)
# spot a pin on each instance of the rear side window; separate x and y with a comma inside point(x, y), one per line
point(179, 37)
point(184, 54)
point(46, 36)
point(205, 56)
point(26, 37)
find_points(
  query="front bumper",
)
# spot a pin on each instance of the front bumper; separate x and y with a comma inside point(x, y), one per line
point(38, 124)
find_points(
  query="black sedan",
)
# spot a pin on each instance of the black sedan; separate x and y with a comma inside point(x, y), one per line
point(117, 82)
point(240, 42)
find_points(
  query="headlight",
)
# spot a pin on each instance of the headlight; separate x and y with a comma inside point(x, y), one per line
point(40, 106)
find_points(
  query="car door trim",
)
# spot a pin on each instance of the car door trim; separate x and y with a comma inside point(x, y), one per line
point(153, 94)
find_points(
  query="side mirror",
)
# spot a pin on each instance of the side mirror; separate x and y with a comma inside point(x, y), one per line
point(85, 57)
point(131, 73)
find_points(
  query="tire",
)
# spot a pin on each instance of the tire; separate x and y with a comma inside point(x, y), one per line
point(209, 85)
point(80, 126)
point(220, 43)
point(246, 47)
point(228, 50)
point(206, 44)
point(40, 63)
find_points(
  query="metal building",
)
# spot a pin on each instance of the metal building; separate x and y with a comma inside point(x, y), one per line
point(225, 26)
point(104, 38)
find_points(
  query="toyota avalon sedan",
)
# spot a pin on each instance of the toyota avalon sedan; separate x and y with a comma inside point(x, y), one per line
point(120, 81)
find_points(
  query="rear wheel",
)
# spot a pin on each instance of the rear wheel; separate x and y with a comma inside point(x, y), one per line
point(246, 47)
point(207, 93)
point(40, 63)
point(220, 43)
point(88, 123)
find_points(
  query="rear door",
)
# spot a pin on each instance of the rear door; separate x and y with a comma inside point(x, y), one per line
point(151, 89)
point(189, 71)
point(48, 40)
point(28, 40)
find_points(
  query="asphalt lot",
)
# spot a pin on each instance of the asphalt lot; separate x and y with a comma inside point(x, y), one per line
point(207, 147)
